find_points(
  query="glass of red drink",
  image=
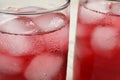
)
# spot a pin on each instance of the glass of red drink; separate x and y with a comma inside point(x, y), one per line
point(97, 47)
point(33, 39)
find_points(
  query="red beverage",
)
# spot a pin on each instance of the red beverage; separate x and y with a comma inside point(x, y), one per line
point(97, 48)
point(33, 47)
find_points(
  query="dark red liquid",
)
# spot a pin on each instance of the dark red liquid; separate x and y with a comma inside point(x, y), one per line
point(36, 49)
point(97, 49)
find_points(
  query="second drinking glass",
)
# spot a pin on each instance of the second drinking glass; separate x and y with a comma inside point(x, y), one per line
point(97, 48)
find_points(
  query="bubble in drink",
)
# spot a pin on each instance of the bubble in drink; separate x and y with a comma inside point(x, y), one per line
point(50, 22)
point(43, 70)
point(104, 38)
point(55, 42)
point(90, 15)
point(10, 65)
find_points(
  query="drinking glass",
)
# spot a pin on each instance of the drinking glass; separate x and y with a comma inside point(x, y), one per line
point(97, 47)
point(33, 39)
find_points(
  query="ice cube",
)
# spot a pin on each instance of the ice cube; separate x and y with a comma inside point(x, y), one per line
point(17, 25)
point(100, 6)
point(115, 8)
point(50, 22)
point(104, 38)
point(43, 67)
point(5, 18)
point(10, 65)
point(14, 45)
point(90, 13)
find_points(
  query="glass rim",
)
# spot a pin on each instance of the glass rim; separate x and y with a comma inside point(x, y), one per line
point(100, 12)
point(59, 8)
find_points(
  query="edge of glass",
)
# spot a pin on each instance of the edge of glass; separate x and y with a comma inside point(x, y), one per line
point(42, 12)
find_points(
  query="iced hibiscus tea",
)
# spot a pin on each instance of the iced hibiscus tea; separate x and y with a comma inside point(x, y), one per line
point(97, 49)
point(33, 47)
